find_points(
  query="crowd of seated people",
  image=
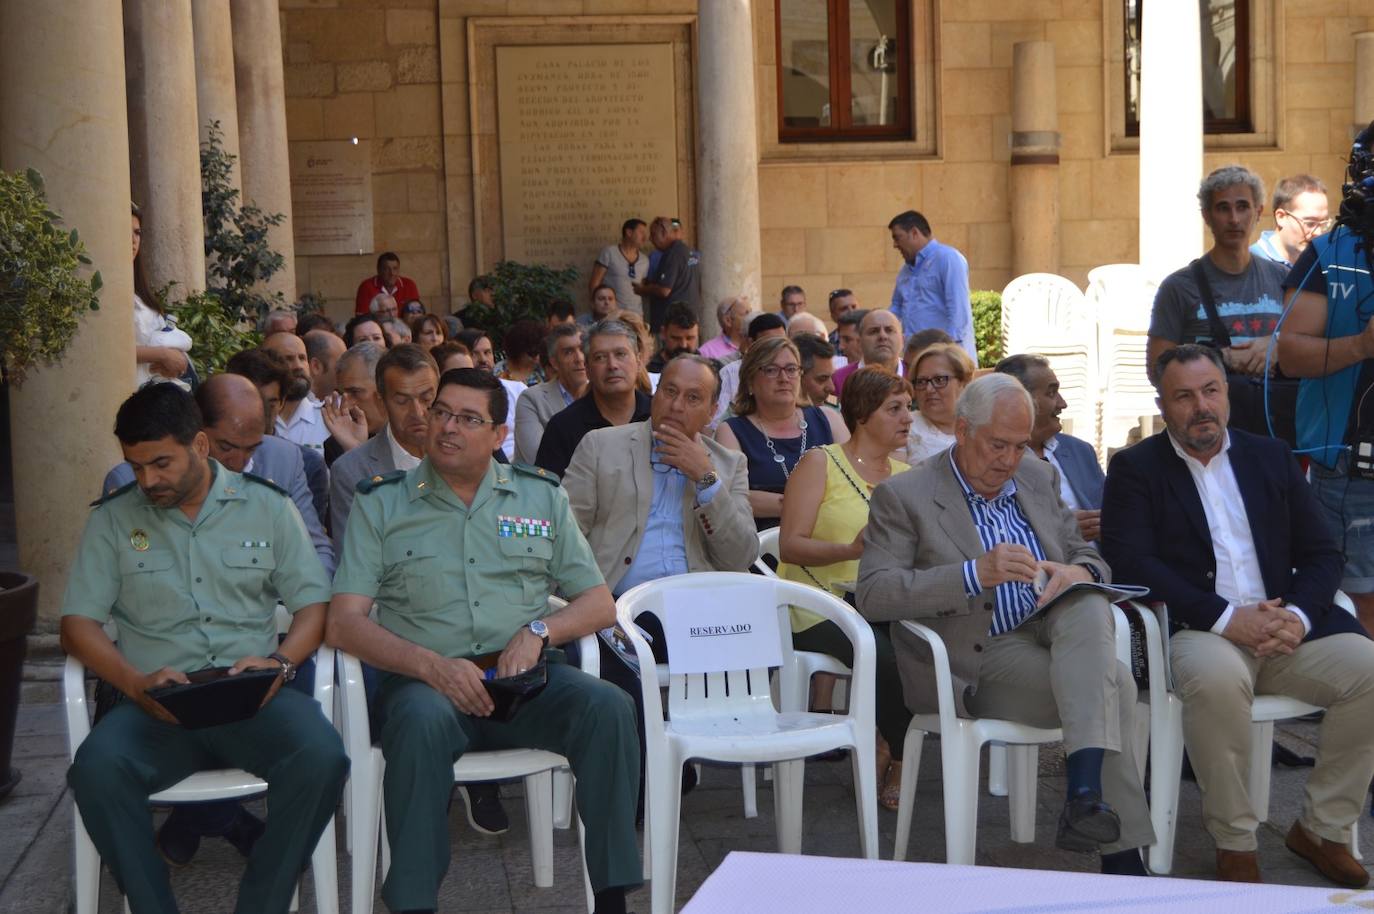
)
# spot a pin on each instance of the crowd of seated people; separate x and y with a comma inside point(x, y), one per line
point(449, 493)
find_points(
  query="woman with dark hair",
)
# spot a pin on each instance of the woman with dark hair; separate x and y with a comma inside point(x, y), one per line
point(364, 328)
point(160, 347)
point(824, 513)
point(523, 344)
point(769, 427)
point(428, 330)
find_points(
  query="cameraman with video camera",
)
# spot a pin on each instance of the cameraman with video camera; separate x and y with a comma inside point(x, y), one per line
point(1327, 340)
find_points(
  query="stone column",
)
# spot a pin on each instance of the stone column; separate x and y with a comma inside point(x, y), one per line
point(164, 145)
point(1170, 135)
point(215, 98)
point(69, 122)
point(727, 158)
point(1034, 160)
point(1364, 82)
point(261, 90)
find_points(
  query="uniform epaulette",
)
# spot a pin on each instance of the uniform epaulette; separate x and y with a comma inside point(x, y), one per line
point(264, 481)
point(368, 483)
point(114, 493)
point(538, 472)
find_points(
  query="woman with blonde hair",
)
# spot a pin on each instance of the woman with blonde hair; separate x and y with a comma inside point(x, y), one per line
point(938, 375)
point(824, 513)
point(769, 427)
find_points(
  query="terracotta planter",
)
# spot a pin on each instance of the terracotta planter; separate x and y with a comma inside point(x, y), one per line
point(18, 611)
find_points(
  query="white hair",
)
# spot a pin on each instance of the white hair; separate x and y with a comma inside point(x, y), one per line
point(379, 299)
point(724, 307)
point(981, 395)
point(806, 322)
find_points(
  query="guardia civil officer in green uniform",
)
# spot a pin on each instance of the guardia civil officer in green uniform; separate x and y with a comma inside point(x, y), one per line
point(459, 555)
point(189, 561)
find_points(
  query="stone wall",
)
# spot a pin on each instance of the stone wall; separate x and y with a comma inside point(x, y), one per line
point(396, 71)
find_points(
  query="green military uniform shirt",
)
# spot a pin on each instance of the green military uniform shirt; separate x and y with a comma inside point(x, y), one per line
point(462, 580)
point(191, 594)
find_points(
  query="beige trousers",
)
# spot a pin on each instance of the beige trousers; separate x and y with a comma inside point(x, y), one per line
point(1059, 669)
point(1218, 680)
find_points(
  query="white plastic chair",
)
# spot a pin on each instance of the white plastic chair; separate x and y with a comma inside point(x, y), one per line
point(1013, 757)
point(729, 716)
point(223, 784)
point(1047, 314)
point(1120, 299)
point(1166, 751)
point(540, 770)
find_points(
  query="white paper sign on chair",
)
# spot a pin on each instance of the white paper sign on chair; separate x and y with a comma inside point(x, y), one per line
point(732, 630)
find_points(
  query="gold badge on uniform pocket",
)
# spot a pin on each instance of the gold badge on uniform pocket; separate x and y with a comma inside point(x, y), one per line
point(139, 540)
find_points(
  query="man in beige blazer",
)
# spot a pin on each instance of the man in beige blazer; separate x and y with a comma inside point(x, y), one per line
point(957, 544)
point(664, 475)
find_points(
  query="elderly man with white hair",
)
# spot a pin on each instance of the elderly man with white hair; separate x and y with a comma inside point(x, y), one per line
point(805, 322)
point(383, 306)
point(731, 313)
point(958, 543)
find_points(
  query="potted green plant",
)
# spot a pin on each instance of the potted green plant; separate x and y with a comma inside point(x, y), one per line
point(44, 293)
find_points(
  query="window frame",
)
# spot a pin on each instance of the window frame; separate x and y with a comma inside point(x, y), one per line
point(841, 93)
point(1243, 123)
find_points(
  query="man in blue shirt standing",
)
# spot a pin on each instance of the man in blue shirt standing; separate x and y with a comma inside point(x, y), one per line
point(932, 286)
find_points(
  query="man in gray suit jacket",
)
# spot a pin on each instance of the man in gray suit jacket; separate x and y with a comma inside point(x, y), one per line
point(234, 417)
point(1080, 475)
point(407, 378)
point(957, 543)
point(538, 404)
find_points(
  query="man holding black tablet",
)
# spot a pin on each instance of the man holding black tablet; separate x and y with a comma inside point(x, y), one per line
point(459, 556)
point(189, 562)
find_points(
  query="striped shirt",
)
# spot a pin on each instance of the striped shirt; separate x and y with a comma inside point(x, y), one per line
point(1000, 520)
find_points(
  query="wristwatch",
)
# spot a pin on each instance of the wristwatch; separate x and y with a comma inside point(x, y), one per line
point(288, 669)
point(707, 481)
point(539, 630)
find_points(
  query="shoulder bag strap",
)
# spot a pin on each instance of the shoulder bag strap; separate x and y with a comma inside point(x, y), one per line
point(1220, 336)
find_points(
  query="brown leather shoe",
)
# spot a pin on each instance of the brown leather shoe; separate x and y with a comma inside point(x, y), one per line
point(1331, 858)
point(1238, 866)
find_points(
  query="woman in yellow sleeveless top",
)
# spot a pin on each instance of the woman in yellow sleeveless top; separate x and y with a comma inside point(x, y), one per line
point(824, 512)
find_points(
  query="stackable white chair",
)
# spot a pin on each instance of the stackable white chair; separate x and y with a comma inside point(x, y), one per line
point(222, 784)
point(1166, 751)
point(728, 715)
point(1013, 757)
point(539, 768)
point(1120, 299)
point(1048, 315)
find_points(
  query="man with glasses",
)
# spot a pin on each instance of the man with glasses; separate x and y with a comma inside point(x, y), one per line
point(459, 556)
point(1301, 213)
point(1231, 301)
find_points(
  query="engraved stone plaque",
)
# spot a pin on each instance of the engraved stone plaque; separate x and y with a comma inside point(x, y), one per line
point(331, 197)
point(588, 138)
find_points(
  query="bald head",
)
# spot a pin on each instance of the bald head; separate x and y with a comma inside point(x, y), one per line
point(235, 418)
point(880, 336)
point(323, 349)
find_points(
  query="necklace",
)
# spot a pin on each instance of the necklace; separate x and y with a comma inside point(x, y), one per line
point(778, 458)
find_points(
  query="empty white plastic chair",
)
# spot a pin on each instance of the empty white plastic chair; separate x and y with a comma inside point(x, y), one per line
point(1046, 314)
point(1120, 299)
point(221, 784)
point(728, 715)
point(538, 768)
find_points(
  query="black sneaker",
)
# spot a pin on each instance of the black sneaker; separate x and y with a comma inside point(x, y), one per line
point(485, 812)
point(176, 841)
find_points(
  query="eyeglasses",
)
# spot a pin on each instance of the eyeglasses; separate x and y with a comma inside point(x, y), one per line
point(1311, 226)
point(938, 382)
point(466, 420)
point(772, 371)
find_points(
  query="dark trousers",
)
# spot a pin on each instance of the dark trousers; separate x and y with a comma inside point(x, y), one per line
point(891, 710)
point(423, 734)
point(130, 755)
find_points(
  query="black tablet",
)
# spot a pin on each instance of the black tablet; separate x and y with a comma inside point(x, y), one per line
point(213, 697)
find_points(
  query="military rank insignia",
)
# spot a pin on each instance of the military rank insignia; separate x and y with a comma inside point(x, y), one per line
point(139, 540)
point(522, 526)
